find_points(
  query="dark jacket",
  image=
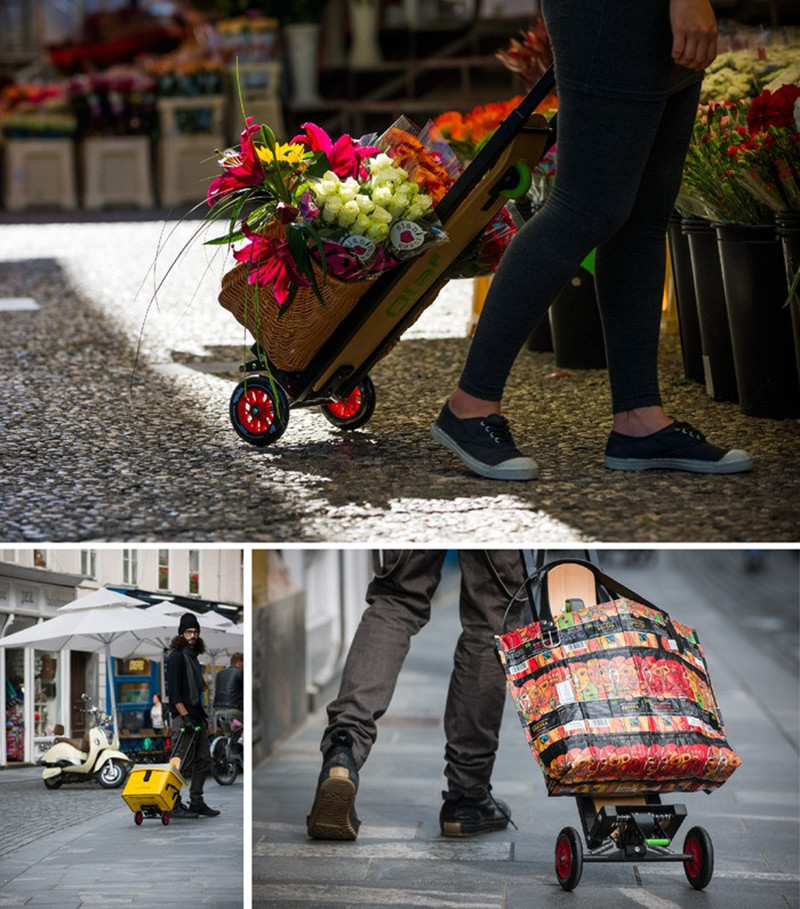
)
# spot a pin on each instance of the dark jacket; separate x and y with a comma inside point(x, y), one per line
point(179, 684)
point(229, 689)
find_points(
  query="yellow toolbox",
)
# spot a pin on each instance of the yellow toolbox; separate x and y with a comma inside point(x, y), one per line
point(152, 790)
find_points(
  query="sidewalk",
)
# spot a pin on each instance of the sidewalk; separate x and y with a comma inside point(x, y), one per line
point(400, 860)
point(79, 846)
point(125, 402)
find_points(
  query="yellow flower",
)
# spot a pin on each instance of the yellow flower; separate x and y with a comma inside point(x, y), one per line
point(288, 153)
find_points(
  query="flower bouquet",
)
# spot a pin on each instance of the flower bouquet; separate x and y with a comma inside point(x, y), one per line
point(36, 111)
point(743, 160)
point(313, 222)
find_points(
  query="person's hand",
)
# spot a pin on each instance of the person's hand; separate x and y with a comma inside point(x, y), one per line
point(694, 33)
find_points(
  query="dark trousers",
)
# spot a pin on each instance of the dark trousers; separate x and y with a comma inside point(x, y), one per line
point(399, 606)
point(195, 755)
point(618, 171)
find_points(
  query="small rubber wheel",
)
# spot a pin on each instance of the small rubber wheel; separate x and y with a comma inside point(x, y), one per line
point(355, 410)
point(569, 858)
point(166, 817)
point(259, 410)
point(517, 181)
point(138, 818)
point(700, 866)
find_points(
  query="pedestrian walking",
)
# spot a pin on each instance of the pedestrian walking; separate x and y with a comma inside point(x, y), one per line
point(628, 77)
point(399, 597)
point(229, 688)
point(185, 687)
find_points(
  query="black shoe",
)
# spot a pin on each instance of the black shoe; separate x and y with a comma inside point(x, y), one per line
point(465, 816)
point(676, 447)
point(333, 814)
point(181, 811)
point(203, 810)
point(485, 445)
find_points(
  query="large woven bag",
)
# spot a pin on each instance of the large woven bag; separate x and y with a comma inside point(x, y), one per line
point(290, 335)
point(614, 697)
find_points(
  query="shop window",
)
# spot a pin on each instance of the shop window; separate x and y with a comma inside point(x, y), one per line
point(194, 571)
point(15, 696)
point(130, 567)
point(40, 558)
point(46, 698)
point(163, 569)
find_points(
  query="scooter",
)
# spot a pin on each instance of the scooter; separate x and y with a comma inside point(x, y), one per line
point(95, 756)
point(227, 751)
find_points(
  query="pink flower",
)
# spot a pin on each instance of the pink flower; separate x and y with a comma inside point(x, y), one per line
point(241, 169)
point(344, 155)
point(272, 264)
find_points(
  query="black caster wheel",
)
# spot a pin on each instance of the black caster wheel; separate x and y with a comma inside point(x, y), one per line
point(569, 858)
point(517, 181)
point(356, 410)
point(138, 818)
point(259, 410)
point(700, 866)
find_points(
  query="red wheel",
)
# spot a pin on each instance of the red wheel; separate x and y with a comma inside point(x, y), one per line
point(259, 410)
point(569, 858)
point(165, 818)
point(138, 818)
point(700, 866)
point(355, 410)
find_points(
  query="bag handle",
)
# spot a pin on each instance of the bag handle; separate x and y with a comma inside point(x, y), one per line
point(534, 560)
point(539, 599)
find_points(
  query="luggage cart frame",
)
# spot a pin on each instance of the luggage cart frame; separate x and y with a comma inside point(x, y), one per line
point(337, 377)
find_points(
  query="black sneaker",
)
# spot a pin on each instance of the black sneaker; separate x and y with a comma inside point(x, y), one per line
point(181, 811)
point(465, 816)
point(203, 810)
point(678, 446)
point(485, 445)
point(333, 814)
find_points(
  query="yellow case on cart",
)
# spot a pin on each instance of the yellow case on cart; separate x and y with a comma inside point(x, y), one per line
point(152, 786)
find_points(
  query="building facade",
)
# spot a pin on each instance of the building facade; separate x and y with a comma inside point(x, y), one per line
point(42, 689)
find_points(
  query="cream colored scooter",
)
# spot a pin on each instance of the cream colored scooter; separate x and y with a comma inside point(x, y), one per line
point(95, 756)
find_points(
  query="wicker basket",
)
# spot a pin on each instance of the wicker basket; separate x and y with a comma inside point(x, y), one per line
point(290, 336)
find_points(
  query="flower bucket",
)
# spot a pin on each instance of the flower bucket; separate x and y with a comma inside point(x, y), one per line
point(718, 365)
point(576, 327)
point(292, 334)
point(788, 225)
point(763, 348)
point(688, 321)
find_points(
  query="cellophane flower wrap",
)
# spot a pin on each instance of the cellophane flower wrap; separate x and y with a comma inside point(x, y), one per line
point(300, 211)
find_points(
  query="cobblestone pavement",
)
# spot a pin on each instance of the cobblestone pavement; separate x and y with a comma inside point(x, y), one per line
point(114, 419)
point(78, 846)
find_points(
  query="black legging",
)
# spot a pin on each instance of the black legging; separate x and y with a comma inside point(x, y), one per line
point(618, 172)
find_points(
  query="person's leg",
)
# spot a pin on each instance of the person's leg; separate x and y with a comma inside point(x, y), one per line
point(400, 602)
point(399, 606)
point(476, 695)
point(201, 766)
point(597, 179)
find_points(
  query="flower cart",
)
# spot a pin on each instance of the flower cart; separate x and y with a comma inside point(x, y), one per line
point(319, 334)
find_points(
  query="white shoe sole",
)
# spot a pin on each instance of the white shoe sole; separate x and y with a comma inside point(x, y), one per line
point(733, 462)
point(521, 468)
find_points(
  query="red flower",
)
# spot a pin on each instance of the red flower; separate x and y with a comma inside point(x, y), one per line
point(272, 263)
point(344, 155)
point(241, 169)
point(773, 108)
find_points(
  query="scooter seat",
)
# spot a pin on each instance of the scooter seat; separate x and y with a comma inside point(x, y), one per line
point(80, 744)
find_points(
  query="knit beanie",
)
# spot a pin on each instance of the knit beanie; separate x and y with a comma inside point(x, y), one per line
point(188, 620)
